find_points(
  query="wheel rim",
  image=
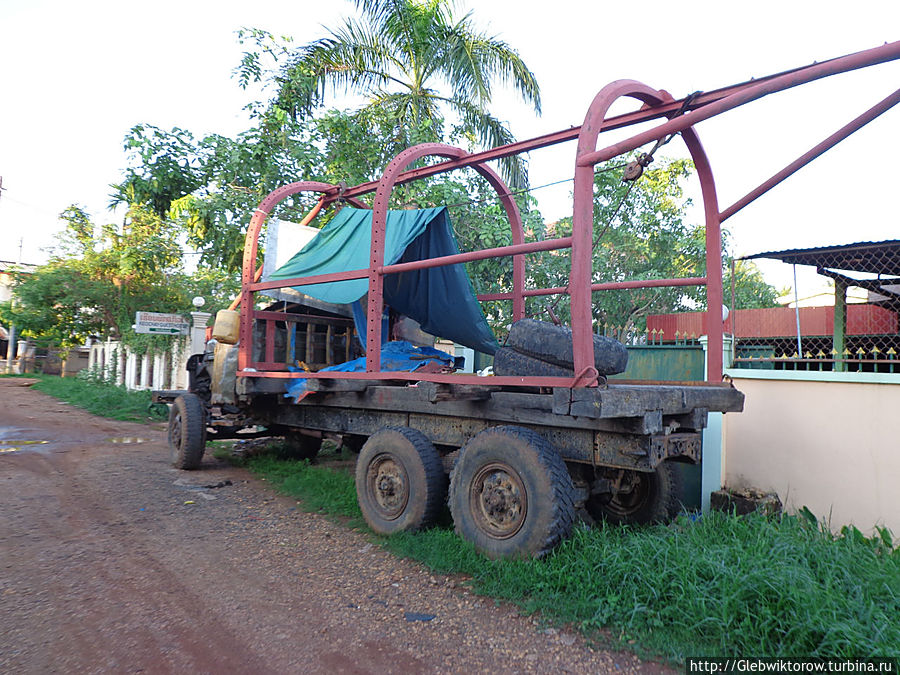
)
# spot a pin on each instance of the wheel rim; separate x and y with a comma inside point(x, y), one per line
point(498, 500)
point(388, 486)
point(625, 502)
point(175, 434)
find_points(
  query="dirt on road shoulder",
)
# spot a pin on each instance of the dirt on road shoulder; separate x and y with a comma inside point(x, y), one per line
point(113, 561)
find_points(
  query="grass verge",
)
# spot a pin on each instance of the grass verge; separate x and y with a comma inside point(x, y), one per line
point(98, 398)
point(718, 585)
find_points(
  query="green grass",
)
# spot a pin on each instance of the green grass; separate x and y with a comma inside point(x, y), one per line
point(718, 585)
point(106, 400)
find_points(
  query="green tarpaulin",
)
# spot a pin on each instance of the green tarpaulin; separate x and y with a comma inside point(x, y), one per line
point(441, 299)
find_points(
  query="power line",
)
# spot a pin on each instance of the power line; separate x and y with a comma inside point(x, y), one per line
point(528, 189)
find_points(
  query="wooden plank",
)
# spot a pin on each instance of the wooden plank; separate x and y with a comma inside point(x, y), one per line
point(338, 420)
point(440, 391)
point(409, 399)
point(511, 399)
point(562, 400)
point(720, 399)
point(324, 385)
point(270, 341)
point(625, 401)
point(329, 353)
point(247, 386)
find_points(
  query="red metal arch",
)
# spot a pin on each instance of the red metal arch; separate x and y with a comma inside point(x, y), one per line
point(379, 226)
point(251, 249)
point(583, 226)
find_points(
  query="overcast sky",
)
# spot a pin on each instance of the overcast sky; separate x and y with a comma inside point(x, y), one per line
point(77, 76)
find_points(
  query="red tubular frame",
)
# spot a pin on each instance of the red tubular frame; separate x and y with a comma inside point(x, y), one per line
point(656, 104)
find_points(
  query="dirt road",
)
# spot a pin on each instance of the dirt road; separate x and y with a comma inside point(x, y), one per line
point(113, 561)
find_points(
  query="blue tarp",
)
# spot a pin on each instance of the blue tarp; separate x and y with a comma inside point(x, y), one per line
point(397, 356)
point(440, 299)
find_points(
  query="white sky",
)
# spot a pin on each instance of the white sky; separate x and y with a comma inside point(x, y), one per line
point(77, 76)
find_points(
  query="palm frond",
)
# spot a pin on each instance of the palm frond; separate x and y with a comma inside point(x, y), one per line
point(490, 133)
point(474, 60)
point(352, 58)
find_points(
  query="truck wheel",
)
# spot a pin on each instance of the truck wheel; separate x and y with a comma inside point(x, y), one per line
point(639, 497)
point(510, 362)
point(553, 344)
point(400, 481)
point(301, 446)
point(510, 494)
point(187, 431)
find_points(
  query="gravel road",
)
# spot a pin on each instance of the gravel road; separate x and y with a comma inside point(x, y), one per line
point(114, 562)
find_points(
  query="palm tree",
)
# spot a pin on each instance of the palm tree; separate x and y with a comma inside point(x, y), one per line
point(398, 55)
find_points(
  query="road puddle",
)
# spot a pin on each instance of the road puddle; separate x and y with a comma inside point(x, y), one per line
point(8, 445)
point(127, 440)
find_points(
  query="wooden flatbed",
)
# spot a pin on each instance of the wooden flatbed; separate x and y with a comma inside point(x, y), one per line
point(631, 426)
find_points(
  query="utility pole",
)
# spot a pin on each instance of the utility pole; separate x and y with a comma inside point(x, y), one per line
point(11, 335)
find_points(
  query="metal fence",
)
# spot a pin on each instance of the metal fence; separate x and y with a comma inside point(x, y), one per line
point(843, 318)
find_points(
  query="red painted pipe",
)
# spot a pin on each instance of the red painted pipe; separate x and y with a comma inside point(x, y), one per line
point(307, 281)
point(835, 138)
point(870, 57)
point(530, 247)
point(608, 286)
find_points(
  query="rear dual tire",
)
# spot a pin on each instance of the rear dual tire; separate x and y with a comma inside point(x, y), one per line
point(511, 495)
point(400, 481)
point(649, 497)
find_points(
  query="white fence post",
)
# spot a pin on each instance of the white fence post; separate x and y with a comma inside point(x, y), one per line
point(145, 371)
point(179, 364)
point(120, 364)
point(158, 373)
point(130, 369)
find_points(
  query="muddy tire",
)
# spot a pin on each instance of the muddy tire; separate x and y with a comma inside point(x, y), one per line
point(510, 494)
point(187, 432)
point(400, 481)
point(300, 446)
point(510, 362)
point(655, 497)
point(545, 342)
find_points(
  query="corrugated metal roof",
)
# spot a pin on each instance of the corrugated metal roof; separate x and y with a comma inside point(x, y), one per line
point(873, 257)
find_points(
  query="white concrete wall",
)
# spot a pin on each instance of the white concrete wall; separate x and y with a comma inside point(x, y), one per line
point(830, 442)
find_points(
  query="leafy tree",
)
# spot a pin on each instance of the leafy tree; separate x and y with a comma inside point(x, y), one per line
point(210, 188)
point(640, 232)
point(750, 288)
point(398, 54)
point(217, 182)
point(93, 286)
point(168, 166)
